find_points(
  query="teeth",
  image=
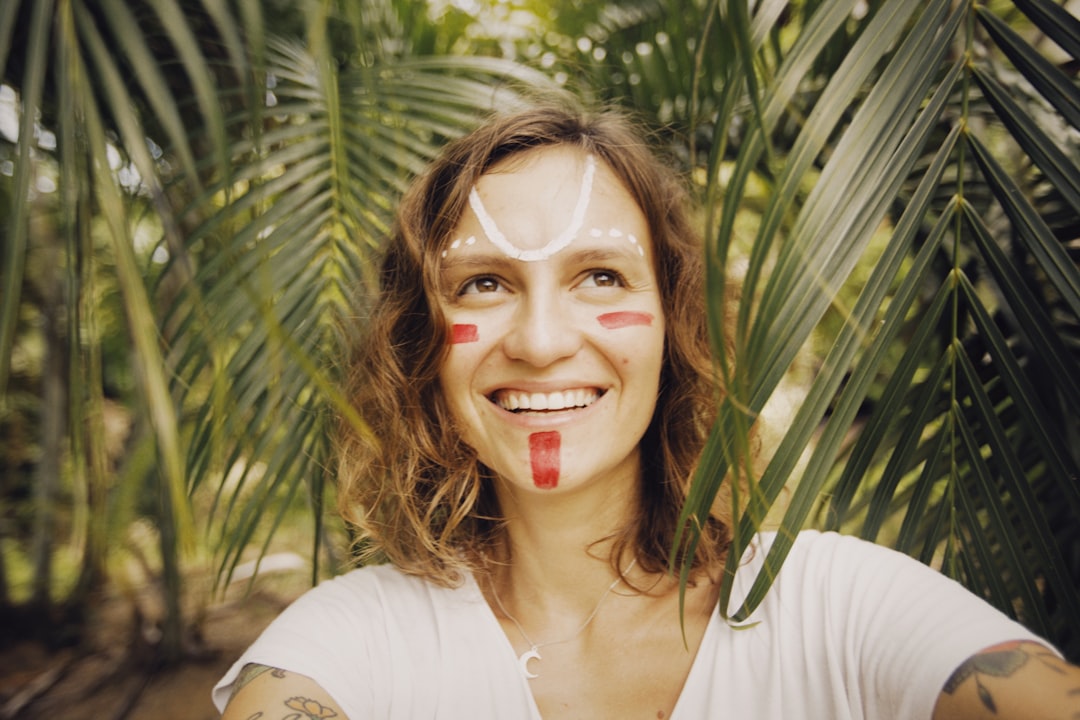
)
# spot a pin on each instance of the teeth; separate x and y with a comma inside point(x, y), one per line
point(519, 401)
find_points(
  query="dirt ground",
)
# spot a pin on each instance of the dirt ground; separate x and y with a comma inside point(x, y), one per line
point(113, 675)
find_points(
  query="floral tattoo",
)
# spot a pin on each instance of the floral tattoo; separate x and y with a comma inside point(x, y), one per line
point(308, 709)
point(304, 708)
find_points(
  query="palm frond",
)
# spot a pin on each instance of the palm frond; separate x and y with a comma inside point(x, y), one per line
point(270, 154)
point(287, 243)
point(939, 420)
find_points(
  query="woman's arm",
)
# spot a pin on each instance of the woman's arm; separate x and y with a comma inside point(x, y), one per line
point(265, 693)
point(1021, 680)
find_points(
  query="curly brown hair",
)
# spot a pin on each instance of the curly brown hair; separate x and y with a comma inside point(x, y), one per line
point(416, 493)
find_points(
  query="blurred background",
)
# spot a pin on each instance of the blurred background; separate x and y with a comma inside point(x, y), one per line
point(193, 194)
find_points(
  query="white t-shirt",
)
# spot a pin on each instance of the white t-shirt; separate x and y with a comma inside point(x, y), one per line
point(849, 630)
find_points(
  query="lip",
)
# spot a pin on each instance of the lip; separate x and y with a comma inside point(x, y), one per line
point(547, 418)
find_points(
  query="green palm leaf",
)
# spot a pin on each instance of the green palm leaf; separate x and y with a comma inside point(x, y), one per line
point(270, 155)
point(939, 420)
point(81, 53)
point(293, 232)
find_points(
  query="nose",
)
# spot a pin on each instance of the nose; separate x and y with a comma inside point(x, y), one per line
point(544, 331)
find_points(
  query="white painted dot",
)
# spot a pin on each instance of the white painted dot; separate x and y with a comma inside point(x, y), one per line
point(444, 253)
point(641, 251)
point(471, 240)
point(596, 232)
point(632, 239)
point(455, 245)
point(615, 232)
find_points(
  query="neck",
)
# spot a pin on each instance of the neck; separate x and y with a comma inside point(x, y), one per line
point(558, 555)
point(545, 618)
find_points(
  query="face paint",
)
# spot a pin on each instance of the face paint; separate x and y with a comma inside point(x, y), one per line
point(463, 334)
point(558, 243)
point(595, 439)
point(544, 458)
point(471, 240)
point(626, 318)
point(530, 254)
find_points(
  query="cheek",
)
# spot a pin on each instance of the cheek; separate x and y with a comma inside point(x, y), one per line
point(463, 333)
point(616, 320)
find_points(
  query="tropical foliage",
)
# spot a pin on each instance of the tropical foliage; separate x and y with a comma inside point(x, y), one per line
point(265, 165)
point(893, 185)
point(941, 417)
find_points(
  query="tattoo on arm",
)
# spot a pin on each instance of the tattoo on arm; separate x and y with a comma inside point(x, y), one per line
point(308, 709)
point(1000, 662)
point(251, 671)
point(299, 707)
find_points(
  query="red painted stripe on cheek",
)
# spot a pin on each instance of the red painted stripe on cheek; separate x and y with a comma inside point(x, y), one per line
point(463, 334)
point(544, 457)
point(625, 318)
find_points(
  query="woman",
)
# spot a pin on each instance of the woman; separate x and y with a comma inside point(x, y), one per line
point(538, 380)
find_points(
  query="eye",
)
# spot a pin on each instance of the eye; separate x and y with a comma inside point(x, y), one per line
point(482, 284)
point(603, 278)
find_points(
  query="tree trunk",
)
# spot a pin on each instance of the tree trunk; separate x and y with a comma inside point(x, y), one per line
point(53, 411)
point(172, 583)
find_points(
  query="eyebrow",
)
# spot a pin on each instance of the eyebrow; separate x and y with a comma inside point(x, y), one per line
point(604, 254)
point(498, 260)
point(477, 260)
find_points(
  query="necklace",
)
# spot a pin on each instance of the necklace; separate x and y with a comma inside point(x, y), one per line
point(534, 648)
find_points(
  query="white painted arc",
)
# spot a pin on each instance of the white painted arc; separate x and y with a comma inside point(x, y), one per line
point(557, 243)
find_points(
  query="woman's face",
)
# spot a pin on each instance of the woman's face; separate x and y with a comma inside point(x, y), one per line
point(557, 329)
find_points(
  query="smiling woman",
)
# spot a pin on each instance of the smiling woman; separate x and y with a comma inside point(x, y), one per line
point(539, 290)
point(538, 380)
point(597, 200)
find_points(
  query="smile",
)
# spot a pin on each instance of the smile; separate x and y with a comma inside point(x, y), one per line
point(516, 401)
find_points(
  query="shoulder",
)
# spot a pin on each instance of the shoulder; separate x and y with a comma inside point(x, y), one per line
point(377, 589)
point(817, 557)
point(373, 578)
point(822, 543)
point(350, 626)
point(373, 605)
point(826, 572)
point(878, 622)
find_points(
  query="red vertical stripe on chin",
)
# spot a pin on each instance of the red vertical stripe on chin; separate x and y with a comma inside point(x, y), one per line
point(463, 334)
point(625, 318)
point(544, 457)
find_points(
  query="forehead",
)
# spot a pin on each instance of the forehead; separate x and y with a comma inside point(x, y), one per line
point(535, 204)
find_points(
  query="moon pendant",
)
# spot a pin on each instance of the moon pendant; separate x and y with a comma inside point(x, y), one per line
point(523, 661)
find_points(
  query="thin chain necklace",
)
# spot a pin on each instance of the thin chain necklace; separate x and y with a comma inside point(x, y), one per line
point(534, 648)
